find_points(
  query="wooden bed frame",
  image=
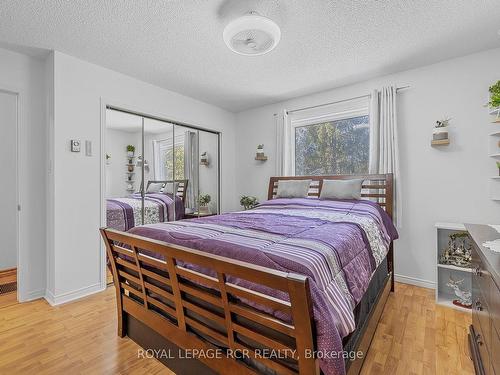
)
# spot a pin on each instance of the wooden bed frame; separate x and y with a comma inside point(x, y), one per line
point(164, 302)
point(181, 188)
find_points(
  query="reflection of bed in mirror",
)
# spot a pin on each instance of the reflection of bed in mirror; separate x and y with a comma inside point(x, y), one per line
point(126, 212)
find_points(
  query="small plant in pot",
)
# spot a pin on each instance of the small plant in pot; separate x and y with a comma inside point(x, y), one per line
point(498, 166)
point(204, 200)
point(130, 151)
point(260, 151)
point(494, 95)
point(248, 202)
point(440, 131)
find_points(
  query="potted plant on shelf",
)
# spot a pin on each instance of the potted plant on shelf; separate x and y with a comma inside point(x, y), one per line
point(108, 159)
point(204, 200)
point(494, 102)
point(498, 166)
point(130, 151)
point(248, 202)
point(440, 131)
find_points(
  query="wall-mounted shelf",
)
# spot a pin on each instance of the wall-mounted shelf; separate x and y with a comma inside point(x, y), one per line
point(444, 294)
point(496, 155)
point(495, 134)
point(440, 142)
point(261, 158)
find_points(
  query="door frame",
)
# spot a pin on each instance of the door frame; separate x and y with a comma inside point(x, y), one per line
point(132, 109)
point(20, 253)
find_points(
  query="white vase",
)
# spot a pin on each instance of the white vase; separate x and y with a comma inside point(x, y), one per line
point(130, 154)
point(204, 210)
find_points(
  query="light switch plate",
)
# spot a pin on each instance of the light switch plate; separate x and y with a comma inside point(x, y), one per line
point(88, 148)
point(75, 145)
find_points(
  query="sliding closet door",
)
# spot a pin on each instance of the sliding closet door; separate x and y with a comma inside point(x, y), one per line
point(208, 173)
point(159, 142)
point(186, 168)
point(8, 213)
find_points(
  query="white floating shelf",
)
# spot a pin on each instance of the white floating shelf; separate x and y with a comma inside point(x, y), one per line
point(447, 301)
point(495, 155)
point(455, 268)
point(495, 178)
point(495, 134)
point(450, 226)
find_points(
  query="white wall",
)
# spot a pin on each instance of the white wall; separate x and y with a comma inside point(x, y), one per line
point(26, 75)
point(75, 256)
point(116, 143)
point(208, 173)
point(439, 184)
point(8, 190)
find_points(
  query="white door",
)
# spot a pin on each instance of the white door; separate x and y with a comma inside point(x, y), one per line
point(8, 188)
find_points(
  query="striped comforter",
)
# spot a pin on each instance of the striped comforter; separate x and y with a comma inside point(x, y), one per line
point(125, 213)
point(337, 244)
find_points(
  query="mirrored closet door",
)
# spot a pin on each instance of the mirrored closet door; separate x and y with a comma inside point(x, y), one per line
point(170, 171)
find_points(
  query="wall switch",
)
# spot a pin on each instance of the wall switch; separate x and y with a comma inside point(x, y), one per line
point(75, 145)
point(88, 148)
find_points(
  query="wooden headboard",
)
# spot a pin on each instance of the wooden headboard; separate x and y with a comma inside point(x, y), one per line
point(181, 189)
point(376, 187)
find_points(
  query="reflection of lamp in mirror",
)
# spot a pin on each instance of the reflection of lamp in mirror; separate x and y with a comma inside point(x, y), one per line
point(204, 159)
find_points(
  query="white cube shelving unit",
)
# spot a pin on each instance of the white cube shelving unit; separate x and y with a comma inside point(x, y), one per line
point(444, 294)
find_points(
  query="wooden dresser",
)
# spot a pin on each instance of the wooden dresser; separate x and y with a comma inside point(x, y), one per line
point(484, 333)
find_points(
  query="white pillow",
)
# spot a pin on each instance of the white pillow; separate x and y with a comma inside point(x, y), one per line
point(293, 188)
point(154, 187)
point(341, 189)
point(171, 188)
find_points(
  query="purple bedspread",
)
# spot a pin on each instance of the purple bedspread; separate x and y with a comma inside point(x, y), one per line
point(337, 244)
point(125, 213)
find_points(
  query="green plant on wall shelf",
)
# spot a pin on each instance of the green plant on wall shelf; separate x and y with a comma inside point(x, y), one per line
point(248, 202)
point(130, 148)
point(494, 95)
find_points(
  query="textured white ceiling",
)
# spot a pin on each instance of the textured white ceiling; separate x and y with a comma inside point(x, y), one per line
point(178, 44)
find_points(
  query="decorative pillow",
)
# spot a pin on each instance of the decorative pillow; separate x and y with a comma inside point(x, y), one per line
point(341, 189)
point(171, 187)
point(154, 187)
point(293, 188)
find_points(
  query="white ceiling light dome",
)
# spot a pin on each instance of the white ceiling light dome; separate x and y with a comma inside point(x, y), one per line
point(252, 35)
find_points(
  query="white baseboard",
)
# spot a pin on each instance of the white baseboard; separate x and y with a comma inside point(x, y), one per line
point(415, 281)
point(54, 300)
point(35, 294)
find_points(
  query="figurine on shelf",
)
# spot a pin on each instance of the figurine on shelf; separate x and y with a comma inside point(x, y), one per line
point(464, 296)
point(458, 252)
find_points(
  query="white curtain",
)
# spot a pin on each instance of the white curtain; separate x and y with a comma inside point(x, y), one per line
point(157, 167)
point(384, 149)
point(191, 167)
point(283, 152)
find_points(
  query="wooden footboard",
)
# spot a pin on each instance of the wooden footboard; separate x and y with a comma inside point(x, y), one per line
point(204, 314)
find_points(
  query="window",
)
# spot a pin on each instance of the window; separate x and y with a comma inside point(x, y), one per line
point(164, 158)
point(331, 146)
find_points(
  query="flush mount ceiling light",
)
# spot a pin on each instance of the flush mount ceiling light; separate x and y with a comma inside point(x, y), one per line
point(252, 35)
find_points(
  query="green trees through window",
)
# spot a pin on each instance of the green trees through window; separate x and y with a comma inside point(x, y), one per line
point(335, 147)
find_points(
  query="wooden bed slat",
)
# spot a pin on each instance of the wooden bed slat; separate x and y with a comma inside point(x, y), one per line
point(204, 312)
point(207, 330)
point(260, 298)
point(202, 295)
point(196, 276)
point(279, 368)
point(270, 343)
point(156, 277)
point(169, 310)
point(262, 318)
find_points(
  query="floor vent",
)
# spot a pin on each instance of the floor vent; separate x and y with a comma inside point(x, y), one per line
point(8, 288)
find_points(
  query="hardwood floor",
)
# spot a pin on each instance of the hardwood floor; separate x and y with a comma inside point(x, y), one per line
point(414, 337)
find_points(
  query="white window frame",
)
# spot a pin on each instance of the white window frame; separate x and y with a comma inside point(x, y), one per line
point(314, 120)
point(164, 145)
